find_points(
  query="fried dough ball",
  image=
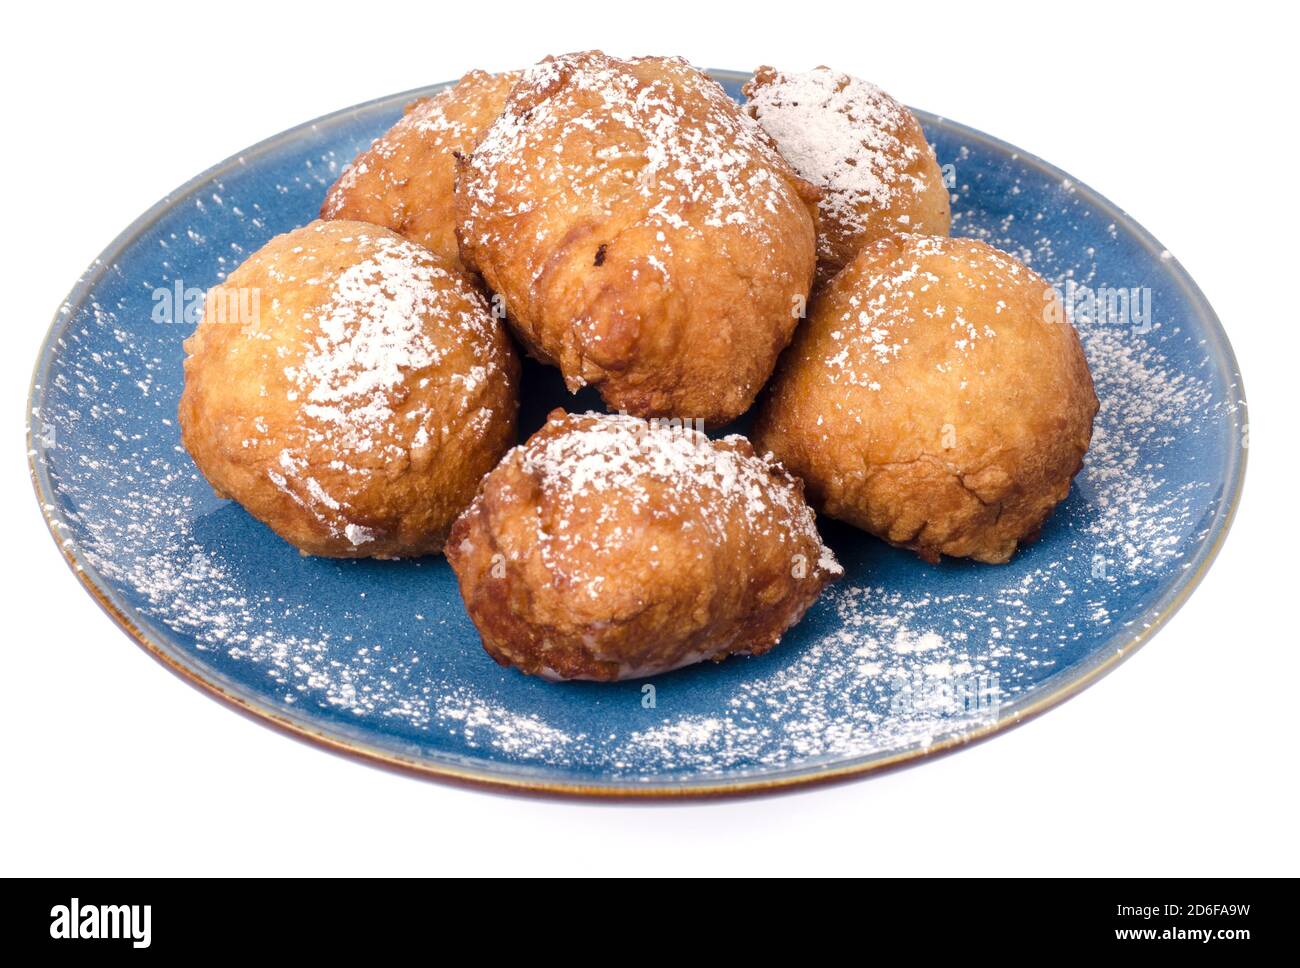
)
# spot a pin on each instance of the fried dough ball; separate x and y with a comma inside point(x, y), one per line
point(864, 150)
point(644, 234)
point(935, 398)
point(404, 180)
point(355, 409)
point(611, 547)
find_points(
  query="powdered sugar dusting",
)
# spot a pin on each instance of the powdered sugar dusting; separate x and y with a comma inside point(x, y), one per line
point(618, 457)
point(883, 307)
point(844, 135)
point(691, 176)
point(390, 314)
point(372, 334)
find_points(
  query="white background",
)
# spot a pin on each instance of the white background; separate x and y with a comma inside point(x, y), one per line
point(1184, 761)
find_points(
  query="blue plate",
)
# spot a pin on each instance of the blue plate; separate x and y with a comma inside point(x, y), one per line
point(899, 660)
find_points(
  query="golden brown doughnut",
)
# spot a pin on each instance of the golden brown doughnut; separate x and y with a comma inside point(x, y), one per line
point(357, 410)
point(935, 398)
point(643, 232)
point(609, 547)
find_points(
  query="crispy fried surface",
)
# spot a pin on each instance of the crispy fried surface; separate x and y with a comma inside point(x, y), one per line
point(645, 235)
point(404, 180)
point(864, 150)
point(929, 400)
point(605, 548)
point(357, 410)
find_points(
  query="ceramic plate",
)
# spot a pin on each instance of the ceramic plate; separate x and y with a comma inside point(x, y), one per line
point(899, 660)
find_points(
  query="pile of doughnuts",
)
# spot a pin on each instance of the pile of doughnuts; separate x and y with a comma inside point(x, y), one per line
point(628, 223)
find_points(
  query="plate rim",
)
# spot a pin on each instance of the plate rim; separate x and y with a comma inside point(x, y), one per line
point(507, 778)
